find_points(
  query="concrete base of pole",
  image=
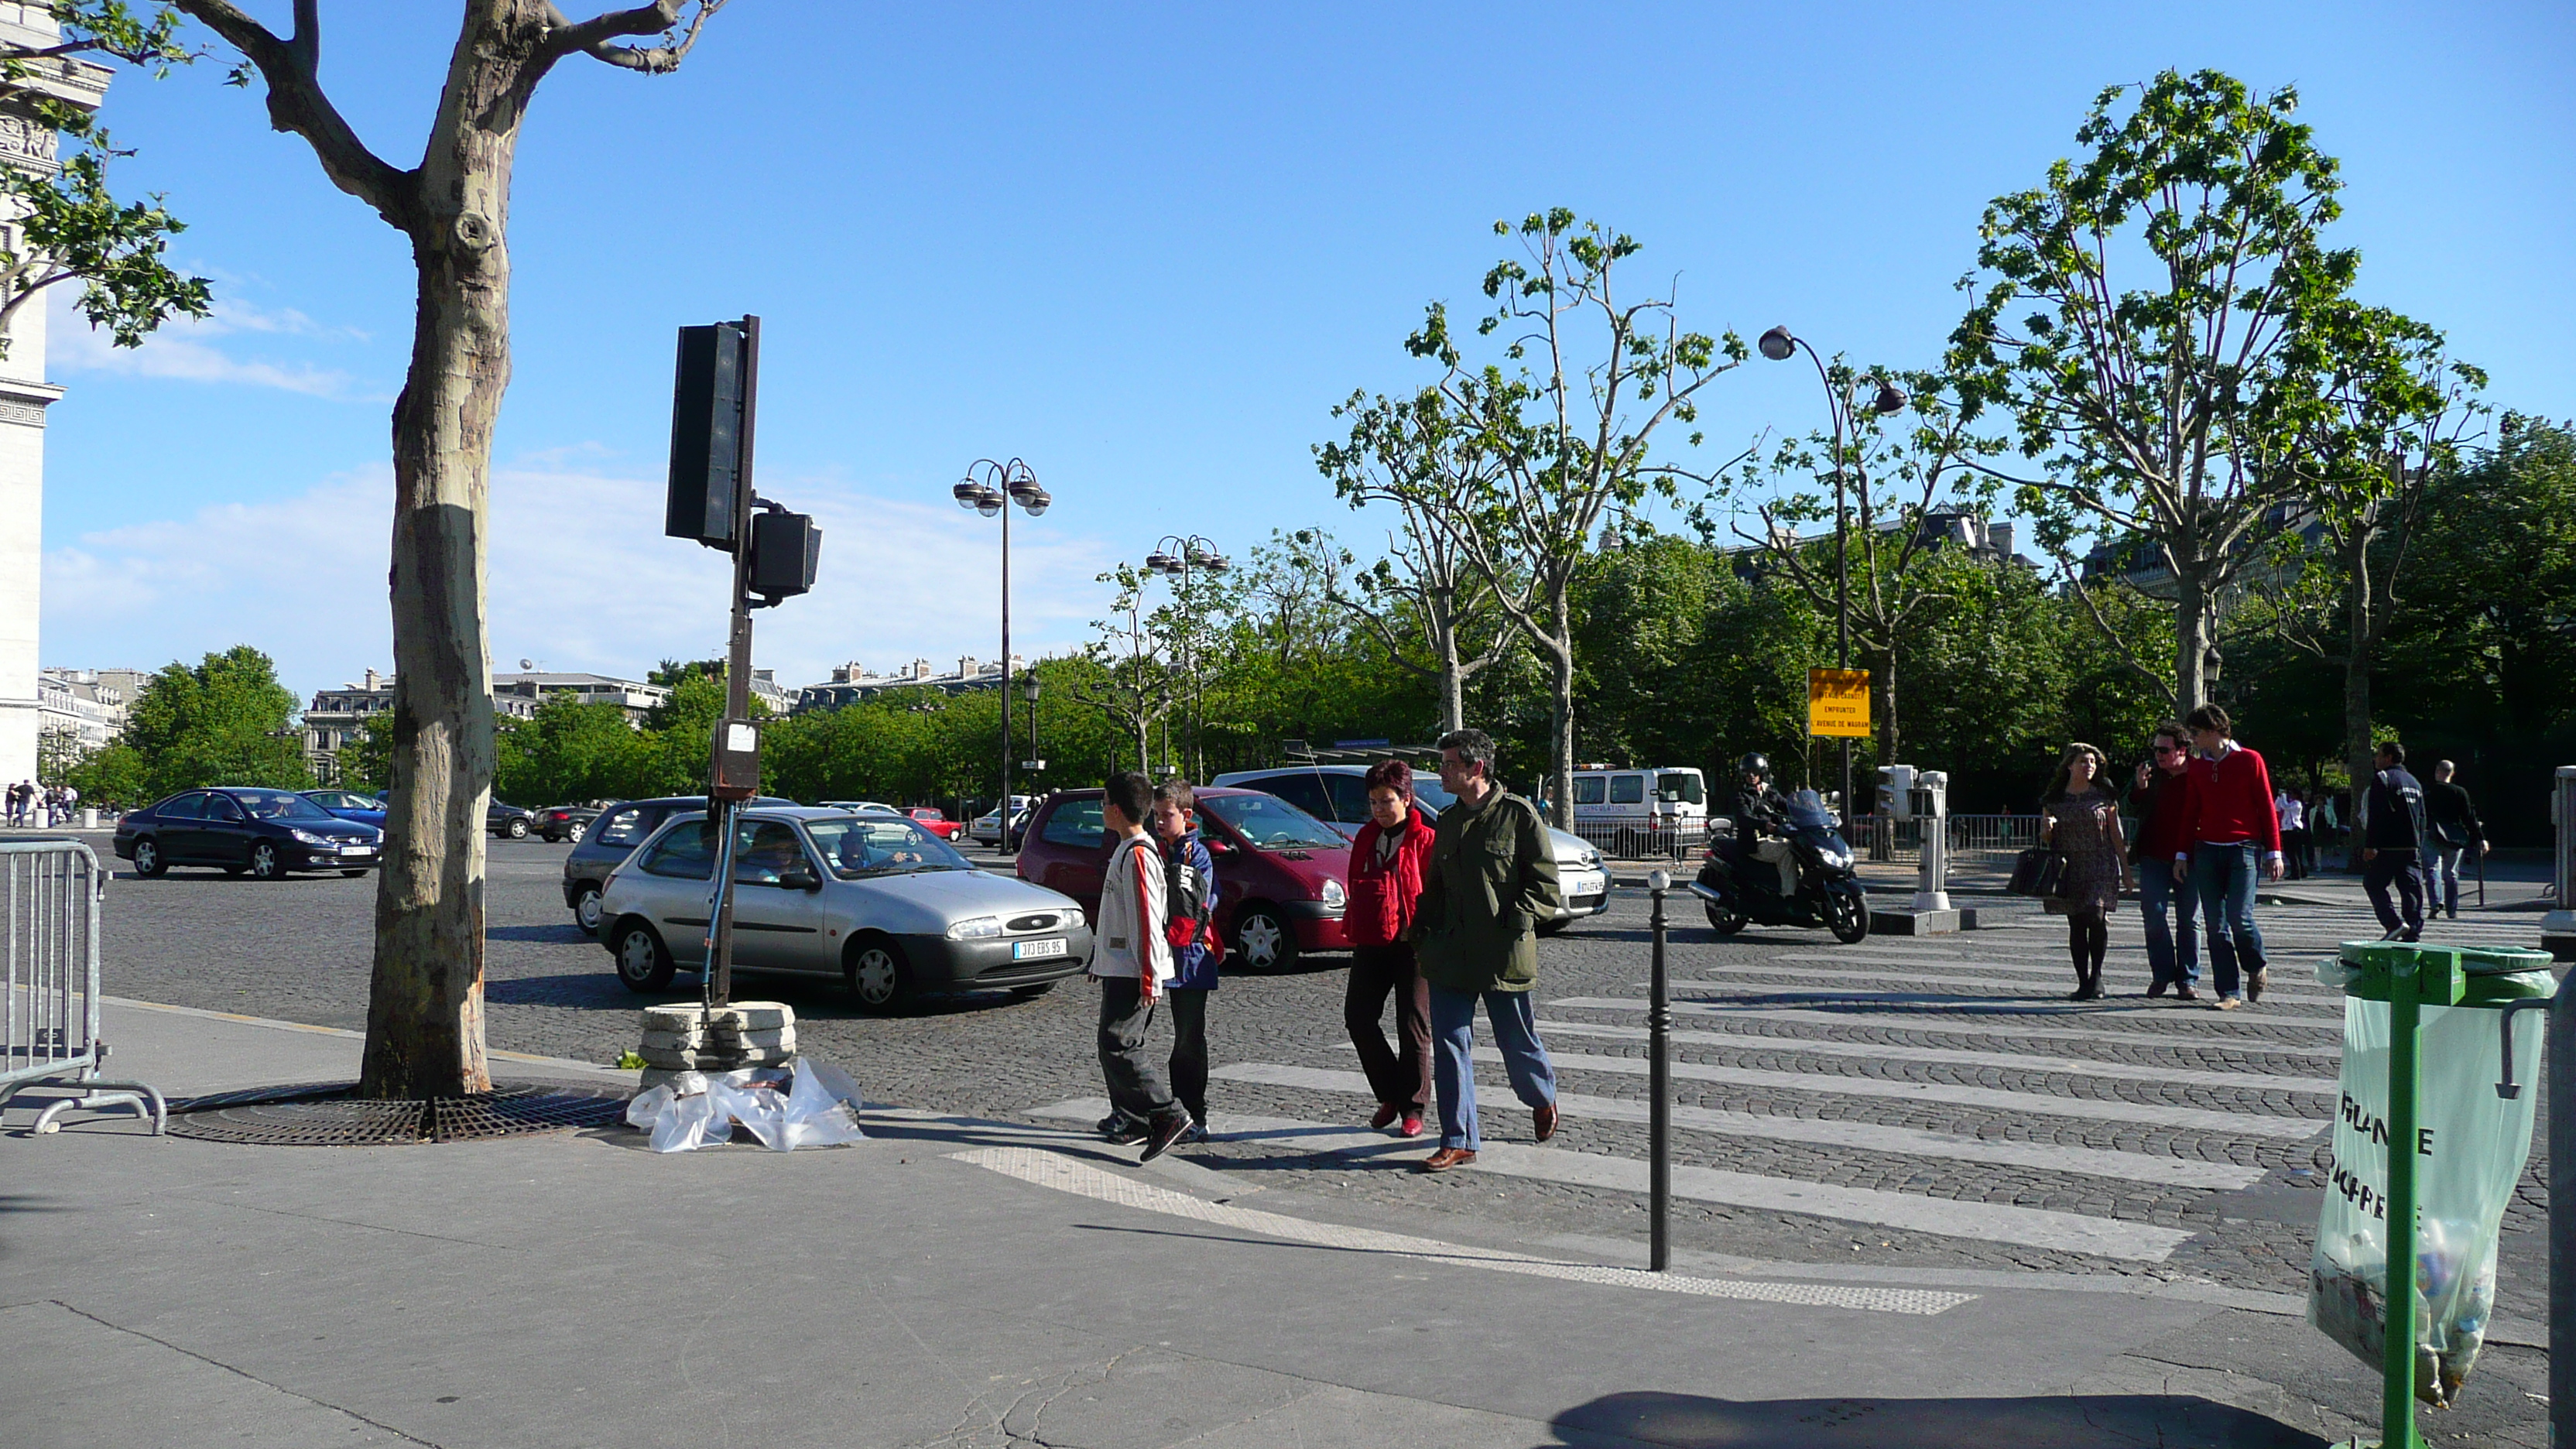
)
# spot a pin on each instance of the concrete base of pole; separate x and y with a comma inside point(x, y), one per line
point(1921, 923)
point(684, 1038)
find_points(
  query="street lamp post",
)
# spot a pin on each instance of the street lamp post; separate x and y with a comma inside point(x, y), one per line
point(1780, 344)
point(989, 488)
point(1186, 557)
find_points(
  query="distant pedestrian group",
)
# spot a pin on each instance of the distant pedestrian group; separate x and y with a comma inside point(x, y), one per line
point(30, 806)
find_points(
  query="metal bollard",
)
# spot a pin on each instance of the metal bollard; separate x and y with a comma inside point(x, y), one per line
point(1659, 1115)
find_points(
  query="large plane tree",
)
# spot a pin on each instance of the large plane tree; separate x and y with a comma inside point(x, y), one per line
point(425, 1006)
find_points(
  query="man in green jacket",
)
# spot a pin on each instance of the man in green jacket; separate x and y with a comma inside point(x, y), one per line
point(1490, 880)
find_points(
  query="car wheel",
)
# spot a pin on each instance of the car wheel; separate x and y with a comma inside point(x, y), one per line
point(1724, 920)
point(585, 910)
point(642, 963)
point(147, 857)
point(573, 834)
point(877, 975)
point(1263, 941)
point(1032, 991)
point(265, 863)
point(516, 829)
point(1847, 915)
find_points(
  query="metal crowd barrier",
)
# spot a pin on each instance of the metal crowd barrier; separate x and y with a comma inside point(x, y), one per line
point(1643, 842)
point(49, 1013)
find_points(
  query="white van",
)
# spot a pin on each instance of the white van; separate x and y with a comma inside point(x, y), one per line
point(1641, 803)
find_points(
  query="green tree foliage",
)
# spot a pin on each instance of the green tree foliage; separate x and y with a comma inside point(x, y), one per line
point(226, 721)
point(2149, 317)
point(571, 752)
point(69, 226)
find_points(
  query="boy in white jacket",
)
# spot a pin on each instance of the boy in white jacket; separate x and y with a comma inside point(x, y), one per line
point(1132, 961)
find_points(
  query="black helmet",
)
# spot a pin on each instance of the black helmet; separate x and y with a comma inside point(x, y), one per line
point(1756, 764)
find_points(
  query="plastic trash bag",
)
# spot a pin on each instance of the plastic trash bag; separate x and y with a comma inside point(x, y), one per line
point(814, 1106)
point(2470, 1147)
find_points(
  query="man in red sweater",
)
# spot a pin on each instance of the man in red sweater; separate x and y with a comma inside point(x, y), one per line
point(2233, 832)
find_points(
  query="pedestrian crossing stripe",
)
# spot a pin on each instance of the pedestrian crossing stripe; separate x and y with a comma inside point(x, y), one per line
point(1750, 995)
point(2006, 1061)
point(2036, 978)
point(2155, 1169)
point(1952, 1022)
point(1984, 1099)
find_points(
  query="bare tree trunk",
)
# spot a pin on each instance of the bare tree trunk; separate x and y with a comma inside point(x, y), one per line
point(1560, 773)
point(1887, 732)
point(2357, 743)
point(2191, 640)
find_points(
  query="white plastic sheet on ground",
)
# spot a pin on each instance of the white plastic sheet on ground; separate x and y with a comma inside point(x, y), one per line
point(815, 1105)
point(2471, 1146)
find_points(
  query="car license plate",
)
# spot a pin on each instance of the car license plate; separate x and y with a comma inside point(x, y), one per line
point(357, 850)
point(1583, 885)
point(1032, 950)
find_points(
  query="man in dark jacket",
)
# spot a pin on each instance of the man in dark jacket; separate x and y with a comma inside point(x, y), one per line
point(1490, 880)
point(2392, 849)
point(2161, 799)
point(2451, 819)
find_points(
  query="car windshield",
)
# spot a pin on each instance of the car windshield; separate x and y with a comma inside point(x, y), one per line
point(1272, 823)
point(279, 805)
point(871, 845)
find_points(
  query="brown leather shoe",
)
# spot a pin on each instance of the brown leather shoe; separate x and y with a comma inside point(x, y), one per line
point(1544, 1118)
point(1445, 1159)
point(1386, 1112)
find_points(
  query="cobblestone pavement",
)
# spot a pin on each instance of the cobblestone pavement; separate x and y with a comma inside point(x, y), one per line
point(1975, 1091)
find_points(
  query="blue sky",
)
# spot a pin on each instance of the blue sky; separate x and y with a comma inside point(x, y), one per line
point(1146, 248)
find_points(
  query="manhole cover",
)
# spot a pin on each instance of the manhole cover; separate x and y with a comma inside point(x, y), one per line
point(325, 1115)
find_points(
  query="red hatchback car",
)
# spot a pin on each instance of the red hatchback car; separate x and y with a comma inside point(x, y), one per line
point(934, 822)
point(1280, 872)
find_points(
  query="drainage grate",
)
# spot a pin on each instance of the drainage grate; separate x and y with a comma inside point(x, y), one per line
point(325, 1115)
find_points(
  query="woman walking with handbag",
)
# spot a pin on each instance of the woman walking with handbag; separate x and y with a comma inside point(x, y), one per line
point(2080, 819)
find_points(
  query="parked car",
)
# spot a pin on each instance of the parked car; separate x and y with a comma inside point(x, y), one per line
point(934, 822)
point(246, 830)
point(987, 829)
point(865, 807)
point(891, 909)
point(610, 839)
point(565, 822)
point(1281, 873)
point(514, 821)
point(1339, 794)
point(349, 805)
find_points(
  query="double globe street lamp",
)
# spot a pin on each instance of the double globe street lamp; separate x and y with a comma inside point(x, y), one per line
point(1780, 344)
point(989, 488)
point(1174, 555)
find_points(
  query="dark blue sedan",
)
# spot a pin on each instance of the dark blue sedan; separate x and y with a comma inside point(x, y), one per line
point(246, 830)
point(365, 809)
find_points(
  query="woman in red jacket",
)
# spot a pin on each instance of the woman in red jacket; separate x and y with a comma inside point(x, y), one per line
point(1385, 880)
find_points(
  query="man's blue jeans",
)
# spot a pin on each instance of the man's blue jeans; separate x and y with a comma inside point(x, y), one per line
point(2446, 880)
point(1453, 1070)
point(2159, 893)
point(2223, 877)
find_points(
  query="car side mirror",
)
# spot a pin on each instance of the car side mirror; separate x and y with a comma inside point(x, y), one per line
point(800, 879)
point(1220, 847)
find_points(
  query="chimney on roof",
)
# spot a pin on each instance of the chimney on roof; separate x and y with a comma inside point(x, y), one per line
point(966, 667)
point(1999, 537)
point(921, 669)
point(373, 678)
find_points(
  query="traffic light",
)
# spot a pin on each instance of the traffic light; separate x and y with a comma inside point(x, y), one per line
point(784, 550)
point(707, 425)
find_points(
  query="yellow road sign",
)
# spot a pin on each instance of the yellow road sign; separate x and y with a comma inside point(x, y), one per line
point(1838, 702)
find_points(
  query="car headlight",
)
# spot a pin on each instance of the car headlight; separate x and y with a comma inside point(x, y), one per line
point(309, 838)
point(1332, 895)
point(978, 928)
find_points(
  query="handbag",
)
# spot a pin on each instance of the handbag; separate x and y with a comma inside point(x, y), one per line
point(2039, 871)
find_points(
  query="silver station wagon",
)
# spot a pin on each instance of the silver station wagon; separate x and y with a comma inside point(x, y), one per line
point(875, 900)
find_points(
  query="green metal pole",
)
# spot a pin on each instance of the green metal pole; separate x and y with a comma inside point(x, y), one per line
point(2397, 1359)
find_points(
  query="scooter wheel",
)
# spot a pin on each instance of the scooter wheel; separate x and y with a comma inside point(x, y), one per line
point(1847, 916)
point(1724, 920)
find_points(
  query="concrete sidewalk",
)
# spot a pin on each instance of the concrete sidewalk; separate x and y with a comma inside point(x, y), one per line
point(960, 1283)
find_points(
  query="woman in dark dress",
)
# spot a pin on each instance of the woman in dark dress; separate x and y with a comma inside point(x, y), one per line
point(2080, 816)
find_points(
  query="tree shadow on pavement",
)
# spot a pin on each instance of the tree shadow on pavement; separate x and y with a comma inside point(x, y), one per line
point(2093, 1421)
point(563, 933)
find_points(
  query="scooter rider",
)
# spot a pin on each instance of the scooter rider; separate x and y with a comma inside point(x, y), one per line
point(1759, 806)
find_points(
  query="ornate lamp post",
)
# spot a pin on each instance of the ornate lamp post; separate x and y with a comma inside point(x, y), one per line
point(1186, 557)
point(989, 488)
point(1780, 344)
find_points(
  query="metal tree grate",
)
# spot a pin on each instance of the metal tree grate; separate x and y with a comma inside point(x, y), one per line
point(325, 1115)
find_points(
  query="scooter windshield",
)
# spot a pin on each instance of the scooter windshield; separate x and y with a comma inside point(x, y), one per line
point(1807, 812)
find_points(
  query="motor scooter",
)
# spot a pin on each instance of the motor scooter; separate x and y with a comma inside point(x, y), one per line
point(1821, 887)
